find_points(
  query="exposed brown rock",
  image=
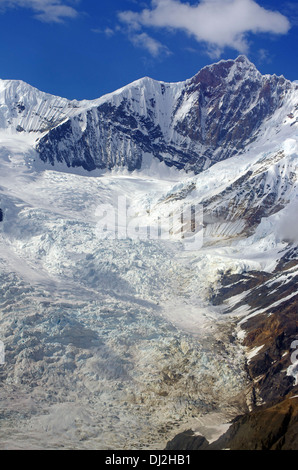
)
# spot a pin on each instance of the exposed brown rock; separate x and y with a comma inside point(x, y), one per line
point(187, 440)
point(273, 428)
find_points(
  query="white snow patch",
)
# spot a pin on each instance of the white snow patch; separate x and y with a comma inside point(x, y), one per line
point(254, 352)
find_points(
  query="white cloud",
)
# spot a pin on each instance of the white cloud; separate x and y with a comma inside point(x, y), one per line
point(107, 31)
point(154, 47)
point(50, 11)
point(264, 56)
point(217, 23)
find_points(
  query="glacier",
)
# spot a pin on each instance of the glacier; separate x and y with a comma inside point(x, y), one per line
point(116, 343)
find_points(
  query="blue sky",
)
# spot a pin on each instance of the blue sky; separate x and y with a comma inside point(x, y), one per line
point(82, 49)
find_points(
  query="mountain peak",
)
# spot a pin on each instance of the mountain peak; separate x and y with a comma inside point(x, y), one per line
point(240, 63)
point(225, 70)
point(244, 60)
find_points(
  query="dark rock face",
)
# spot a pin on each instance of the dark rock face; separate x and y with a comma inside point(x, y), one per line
point(272, 428)
point(232, 102)
point(273, 330)
point(190, 125)
point(187, 440)
point(276, 332)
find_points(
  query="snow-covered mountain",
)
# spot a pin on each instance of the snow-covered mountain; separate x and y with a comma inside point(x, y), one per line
point(120, 342)
point(189, 125)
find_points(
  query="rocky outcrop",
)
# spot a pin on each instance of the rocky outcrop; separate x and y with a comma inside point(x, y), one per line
point(272, 427)
point(271, 327)
point(187, 440)
point(269, 428)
